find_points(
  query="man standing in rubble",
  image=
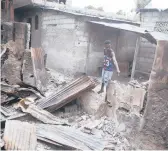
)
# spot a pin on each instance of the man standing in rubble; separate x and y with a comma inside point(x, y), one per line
point(109, 62)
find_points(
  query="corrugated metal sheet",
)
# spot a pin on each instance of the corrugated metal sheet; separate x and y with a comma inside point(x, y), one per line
point(151, 36)
point(122, 26)
point(19, 136)
point(40, 114)
point(70, 137)
point(39, 68)
point(67, 93)
point(8, 111)
point(80, 12)
point(159, 35)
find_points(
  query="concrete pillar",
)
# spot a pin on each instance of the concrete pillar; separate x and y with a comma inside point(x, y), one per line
point(156, 113)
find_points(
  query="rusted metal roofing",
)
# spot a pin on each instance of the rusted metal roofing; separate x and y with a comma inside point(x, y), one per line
point(48, 5)
point(69, 137)
point(151, 36)
point(67, 93)
point(19, 136)
point(8, 111)
point(39, 68)
point(40, 114)
point(123, 26)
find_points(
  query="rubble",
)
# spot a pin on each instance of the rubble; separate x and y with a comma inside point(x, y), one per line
point(78, 130)
point(19, 136)
point(27, 69)
point(11, 63)
point(40, 114)
point(18, 92)
point(129, 98)
point(66, 94)
point(70, 137)
point(40, 75)
point(93, 103)
point(18, 66)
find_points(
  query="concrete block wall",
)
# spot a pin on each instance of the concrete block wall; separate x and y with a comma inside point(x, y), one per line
point(35, 33)
point(126, 46)
point(16, 32)
point(123, 43)
point(147, 50)
point(65, 39)
point(98, 34)
point(145, 56)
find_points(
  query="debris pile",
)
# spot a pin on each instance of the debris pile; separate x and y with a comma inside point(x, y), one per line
point(127, 97)
point(25, 66)
point(36, 92)
point(67, 93)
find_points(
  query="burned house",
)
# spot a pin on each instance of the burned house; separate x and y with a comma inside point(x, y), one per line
point(73, 41)
point(77, 36)
point(70, 35)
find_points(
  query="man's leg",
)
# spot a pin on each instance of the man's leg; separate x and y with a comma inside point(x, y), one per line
point(108, 76)
point(102, 85)
point(102, 88)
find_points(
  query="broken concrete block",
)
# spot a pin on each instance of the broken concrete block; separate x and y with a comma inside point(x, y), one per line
point(27, 69)
point(11, 70)
point(93, 103)
point(138, 98)
point(12, 63)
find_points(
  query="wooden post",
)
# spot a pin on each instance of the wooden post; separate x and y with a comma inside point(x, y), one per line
point(135, 58)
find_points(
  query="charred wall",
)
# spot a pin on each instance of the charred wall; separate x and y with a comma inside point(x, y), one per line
point(7, 10)
point(16, 38)
point(123, 43)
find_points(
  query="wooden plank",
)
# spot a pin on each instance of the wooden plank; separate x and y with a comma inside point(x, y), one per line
point(135, 58)
point(40, 74)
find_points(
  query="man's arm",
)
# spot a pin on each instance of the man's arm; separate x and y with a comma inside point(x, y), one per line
point(115, 62)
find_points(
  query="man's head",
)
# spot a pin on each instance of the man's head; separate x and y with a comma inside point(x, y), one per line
point(107, 44)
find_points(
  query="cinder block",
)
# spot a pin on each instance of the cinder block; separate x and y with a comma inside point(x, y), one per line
point(67, 21)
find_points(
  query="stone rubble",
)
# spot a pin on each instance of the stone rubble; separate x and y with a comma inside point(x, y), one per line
point(90, 113)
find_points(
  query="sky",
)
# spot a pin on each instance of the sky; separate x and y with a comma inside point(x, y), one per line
point(116, 5)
